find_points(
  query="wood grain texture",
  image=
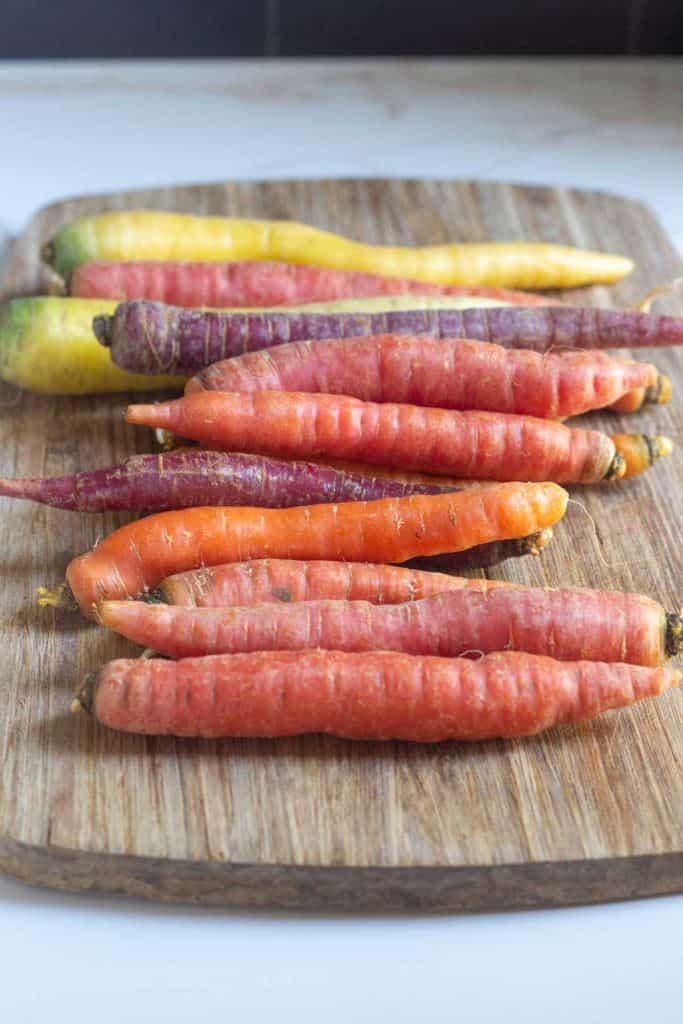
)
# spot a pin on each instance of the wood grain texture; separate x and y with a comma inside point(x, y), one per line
point(582, 813)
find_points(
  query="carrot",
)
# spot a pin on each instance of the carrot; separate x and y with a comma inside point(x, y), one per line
point(259, 283)
point(154, 235)
point(148, 337)
point(640, 451)
point(376, 696)
point(135, 558)
point(192, 476)
point(659, 393)
point(476, 444)
point(571, 625)
point(287, 580)
point(446, 373)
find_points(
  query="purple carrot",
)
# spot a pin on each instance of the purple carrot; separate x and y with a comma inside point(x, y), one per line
point(149, 337)
point(192, 476)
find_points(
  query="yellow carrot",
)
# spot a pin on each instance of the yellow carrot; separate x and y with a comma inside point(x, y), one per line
point(154, 235)
point(48, 345)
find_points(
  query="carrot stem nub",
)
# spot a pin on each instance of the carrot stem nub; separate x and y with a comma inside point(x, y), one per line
point(673, 640)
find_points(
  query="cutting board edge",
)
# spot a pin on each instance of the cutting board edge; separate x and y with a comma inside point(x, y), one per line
point(395, 889)
point(56, 206)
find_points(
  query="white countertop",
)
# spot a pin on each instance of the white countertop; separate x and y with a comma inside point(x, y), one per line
point(69, 128)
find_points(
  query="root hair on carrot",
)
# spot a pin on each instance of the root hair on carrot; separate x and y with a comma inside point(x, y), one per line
point(601, 558)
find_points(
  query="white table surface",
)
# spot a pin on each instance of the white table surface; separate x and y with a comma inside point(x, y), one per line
point(69, 128)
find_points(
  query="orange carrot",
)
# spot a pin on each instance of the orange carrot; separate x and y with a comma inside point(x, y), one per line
point(448, 373)
point(138, 556)
point(290, 581)
point(640, 451)
point(475, 444)
point(378, 696)
point(571, 625)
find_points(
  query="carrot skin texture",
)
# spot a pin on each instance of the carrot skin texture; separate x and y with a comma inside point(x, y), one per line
point(450, 373)
point(135, 558)
point(151, 338)
point(289, 581)
point(257, 283)
point(475, 444)
point(159, 235)
point(185, 478)
point(570, 625)
point(376, 696)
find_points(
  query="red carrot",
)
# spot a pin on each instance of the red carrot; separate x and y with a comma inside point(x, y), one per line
point(571, 625)
point(138, 556)
point(290, 581)
point(146, 337)
point(188, 477)
point(476, 444)
point(381, 695)
point(446, 374)
point(255, 283)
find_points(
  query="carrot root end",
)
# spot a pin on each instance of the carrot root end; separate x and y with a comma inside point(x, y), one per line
point(535, 542)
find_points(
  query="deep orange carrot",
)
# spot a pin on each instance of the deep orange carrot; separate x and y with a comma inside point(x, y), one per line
point(381, 695)
point(137, 557)
point(571, 625)
point(640, 451)
point(470, 444)
point(448, 373)
point(291, 581)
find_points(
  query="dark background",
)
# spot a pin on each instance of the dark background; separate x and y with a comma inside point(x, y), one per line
point(294, 28)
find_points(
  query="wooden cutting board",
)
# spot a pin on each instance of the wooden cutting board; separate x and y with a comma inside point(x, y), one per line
point(591, 812)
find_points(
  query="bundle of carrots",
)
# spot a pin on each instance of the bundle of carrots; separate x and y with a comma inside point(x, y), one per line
point(355, 419)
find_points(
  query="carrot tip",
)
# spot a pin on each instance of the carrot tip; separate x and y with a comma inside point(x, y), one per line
point(534, 544)
point(138, 413)
point(61, 597)
point(84, 698)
